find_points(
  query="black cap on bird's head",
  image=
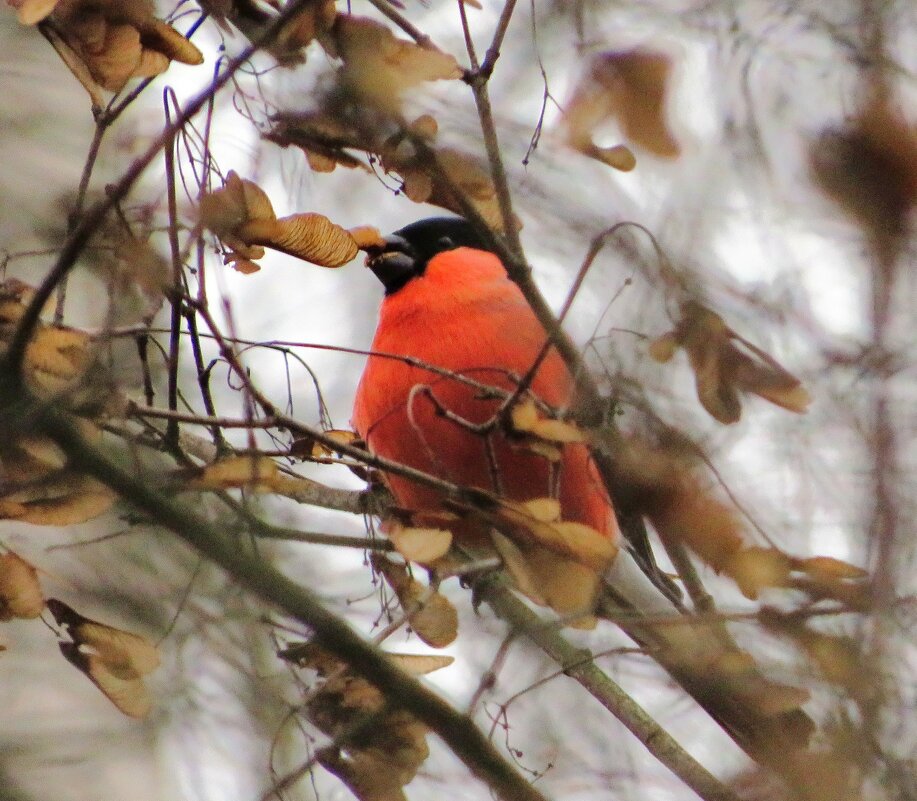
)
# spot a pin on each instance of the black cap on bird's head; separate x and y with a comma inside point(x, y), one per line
point(408, 250)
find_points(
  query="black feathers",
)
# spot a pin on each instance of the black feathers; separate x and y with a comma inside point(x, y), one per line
point(408, 250)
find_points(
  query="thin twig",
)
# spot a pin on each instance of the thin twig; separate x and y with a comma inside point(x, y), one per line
point(579, 665)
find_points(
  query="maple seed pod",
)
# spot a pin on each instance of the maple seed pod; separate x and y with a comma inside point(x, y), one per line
point(311, 237)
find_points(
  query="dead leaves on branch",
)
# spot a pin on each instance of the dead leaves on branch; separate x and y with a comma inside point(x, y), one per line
point(543, 435)
point(441, 176)
point(241, 215)
point(375, 751)
point(537, 522)
point(377, 66)
point(56, 357)
point(38, 486)
point(114, 660)
point(114, 41)
point(726, 364)
point(664, 485)
point(430, 614)
point(629, 87)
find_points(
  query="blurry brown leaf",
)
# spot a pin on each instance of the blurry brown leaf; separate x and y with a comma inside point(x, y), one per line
point(29, 459)
point(869, 168)
point(254, 472)
point(620, 157)
point(116, 59)
point(662, 485)
point(161, 38)
point(223, 210)
point(125, 690)
point(629, 86)
point(545, 509)
point(114, 42)
point(308, 447)
point(67, 499)
point(827, 568)
point(663, 348)
point(386, 754)
point(421, 545)
point(517, 566)
point(425, 126)
point(313, 20)
point(426, 181)
point(56, 359)
point(569, 587)
point(377, 65)
point(420, 664)
point(756, 569)
point(725, 364)
point(324, 139)
point(526, 419)
point(115, 660)
point(20, 592)
point(432, 617)
point(576, 541)
point(837, 657)
point(31, 12)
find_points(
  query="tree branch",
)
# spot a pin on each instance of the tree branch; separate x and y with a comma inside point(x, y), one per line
point(273, 587)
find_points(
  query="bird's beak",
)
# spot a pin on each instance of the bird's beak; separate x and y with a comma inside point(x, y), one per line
point(394, 264)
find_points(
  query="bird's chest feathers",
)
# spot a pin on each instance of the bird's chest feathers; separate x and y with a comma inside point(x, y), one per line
point(486, 332)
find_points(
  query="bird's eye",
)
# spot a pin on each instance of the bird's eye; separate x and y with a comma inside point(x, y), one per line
point(445, 243)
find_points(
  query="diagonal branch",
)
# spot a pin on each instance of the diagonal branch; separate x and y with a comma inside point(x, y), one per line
point(273, 587)
point(580, 666)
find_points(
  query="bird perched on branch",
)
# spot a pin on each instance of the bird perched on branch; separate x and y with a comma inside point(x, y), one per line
point(457, 353)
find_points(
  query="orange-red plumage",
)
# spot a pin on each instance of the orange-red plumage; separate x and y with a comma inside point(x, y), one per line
point(465, 315)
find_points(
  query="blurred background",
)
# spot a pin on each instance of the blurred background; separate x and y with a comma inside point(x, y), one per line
point(758, 93)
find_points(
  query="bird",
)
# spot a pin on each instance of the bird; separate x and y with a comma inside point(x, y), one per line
point(449, 303)
point(453, 324)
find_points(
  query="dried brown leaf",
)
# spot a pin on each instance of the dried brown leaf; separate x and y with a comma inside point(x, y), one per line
point(869, 168)
point(757, 569)
point(665, 488)
point(518, 568)
point(66, 500)
point(421, 545)
point(628, 86)
point(113, 659)
point(420, 664)
point(127, 692)
point(20, 592)
point(379, 66)
point(162, 38)
point(431, 615)
point(576, 541)
point(726, 364)
point(56, 359)
point(254, 472)
point(114, 63)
